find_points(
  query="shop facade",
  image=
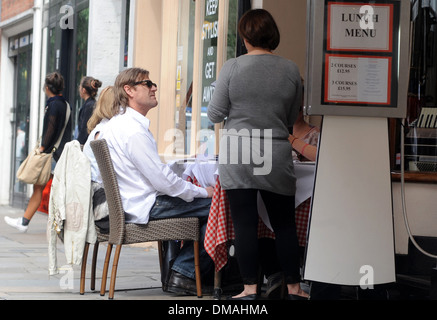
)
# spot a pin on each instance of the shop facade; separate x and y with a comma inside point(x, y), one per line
point(183, 43)
point(39, 37)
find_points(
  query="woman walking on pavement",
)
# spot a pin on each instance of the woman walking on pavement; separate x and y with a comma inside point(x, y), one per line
point(54, 122)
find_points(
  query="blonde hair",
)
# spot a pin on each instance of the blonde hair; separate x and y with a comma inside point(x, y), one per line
point(105, 108)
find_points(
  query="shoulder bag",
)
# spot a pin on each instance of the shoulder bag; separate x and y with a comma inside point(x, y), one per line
point(37, 167)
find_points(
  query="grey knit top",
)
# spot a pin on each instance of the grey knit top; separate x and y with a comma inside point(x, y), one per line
point(258, 97)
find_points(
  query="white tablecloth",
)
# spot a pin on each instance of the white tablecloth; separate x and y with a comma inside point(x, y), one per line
point(205, 171)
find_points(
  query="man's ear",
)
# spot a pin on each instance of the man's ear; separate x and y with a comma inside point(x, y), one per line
point(128, 90)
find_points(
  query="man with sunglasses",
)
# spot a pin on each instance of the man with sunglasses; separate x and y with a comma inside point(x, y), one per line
point(149, 188)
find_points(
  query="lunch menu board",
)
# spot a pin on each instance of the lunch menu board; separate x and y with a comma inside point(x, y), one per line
point(356, 56)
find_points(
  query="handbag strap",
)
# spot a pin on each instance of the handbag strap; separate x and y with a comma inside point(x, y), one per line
point(67, 116)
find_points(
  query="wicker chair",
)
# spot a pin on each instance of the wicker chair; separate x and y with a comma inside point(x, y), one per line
point(101, 237)
point(127, 233)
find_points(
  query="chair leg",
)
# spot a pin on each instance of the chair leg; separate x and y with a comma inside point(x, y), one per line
point(217, 285)
point(197, 269)
point(93, 266)
point(105, 270)
point(114, 271)
point(83, 268)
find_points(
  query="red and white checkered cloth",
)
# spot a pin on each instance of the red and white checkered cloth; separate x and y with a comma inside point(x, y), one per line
point(220, 228)
point(301, 217)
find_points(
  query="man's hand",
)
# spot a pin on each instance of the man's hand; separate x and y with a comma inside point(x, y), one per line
point(210, 191)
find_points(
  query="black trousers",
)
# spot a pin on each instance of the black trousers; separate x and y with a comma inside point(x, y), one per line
point(281, 212)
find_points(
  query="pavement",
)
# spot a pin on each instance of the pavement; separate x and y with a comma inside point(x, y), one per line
point(24, 276)
point(24, 268)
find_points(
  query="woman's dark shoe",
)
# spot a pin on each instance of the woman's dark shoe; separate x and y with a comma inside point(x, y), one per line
point(296, 297)
point(248, 297)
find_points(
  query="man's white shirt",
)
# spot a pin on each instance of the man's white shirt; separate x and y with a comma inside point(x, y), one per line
point(141, 174)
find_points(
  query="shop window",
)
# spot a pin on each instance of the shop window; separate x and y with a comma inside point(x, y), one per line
point(184, 74)
point(80, 58)
point(195, 84)
point(126, 34)
point(420, 126)
point(209, 50)
point(51, 52)
point(232, 38)
point(67, 46)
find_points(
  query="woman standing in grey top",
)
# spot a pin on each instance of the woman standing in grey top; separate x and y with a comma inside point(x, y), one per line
point(258, 95)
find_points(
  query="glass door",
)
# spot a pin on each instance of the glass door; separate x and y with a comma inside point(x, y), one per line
point(20, 145)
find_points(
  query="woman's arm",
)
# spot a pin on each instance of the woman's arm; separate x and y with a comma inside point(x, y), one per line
point(306, 150)
point(218, 108)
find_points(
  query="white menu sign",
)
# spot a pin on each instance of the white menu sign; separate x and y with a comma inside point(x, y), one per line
point(360, 27)
point(358, 79)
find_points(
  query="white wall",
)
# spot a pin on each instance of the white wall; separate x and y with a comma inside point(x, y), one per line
point(104, 40)
point(257, 4)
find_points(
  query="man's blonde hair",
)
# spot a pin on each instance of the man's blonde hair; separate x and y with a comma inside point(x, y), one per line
point(127, 77)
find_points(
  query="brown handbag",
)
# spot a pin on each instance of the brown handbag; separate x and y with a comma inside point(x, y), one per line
point(37, 167)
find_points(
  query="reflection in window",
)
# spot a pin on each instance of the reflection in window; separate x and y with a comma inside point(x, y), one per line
point(232, 29)
point(421, 127)
point(82, 45)
point(51, 59)
point(126, 35)
point(81, 53)
point(209, 39)
point(184, 76)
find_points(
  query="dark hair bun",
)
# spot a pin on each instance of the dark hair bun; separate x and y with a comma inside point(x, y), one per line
point(55, 82)
point(91, 85)
point(96, 84)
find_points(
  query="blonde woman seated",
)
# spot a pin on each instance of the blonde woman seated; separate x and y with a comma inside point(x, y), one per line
point(105, 110)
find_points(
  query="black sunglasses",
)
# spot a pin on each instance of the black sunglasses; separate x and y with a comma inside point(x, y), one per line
point(148, 83)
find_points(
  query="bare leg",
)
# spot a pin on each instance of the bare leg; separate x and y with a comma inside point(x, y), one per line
point(34, 202)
